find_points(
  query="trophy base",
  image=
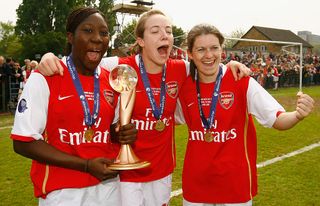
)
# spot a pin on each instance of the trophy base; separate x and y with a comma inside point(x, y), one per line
point(129, 166)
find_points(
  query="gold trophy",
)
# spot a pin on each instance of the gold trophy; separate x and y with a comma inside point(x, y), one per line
point(123, 79)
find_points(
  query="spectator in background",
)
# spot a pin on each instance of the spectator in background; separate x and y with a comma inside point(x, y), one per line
point(34, 65)
point(16, 75)
point(5, 74)
point(261, 71)
point(5, 71)
point(275, 76)
point(26, 64)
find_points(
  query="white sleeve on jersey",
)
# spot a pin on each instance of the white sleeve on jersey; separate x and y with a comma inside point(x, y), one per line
point(109, 63)
point(31, 113)
point(178, 114)
point(187, 67)
point(261, 104)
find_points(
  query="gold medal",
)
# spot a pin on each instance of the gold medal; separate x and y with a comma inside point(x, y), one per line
point(160, 126)
point(208, 137)
point(88, 135)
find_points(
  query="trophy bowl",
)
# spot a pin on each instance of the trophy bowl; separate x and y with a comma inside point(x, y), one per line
point(123, 78)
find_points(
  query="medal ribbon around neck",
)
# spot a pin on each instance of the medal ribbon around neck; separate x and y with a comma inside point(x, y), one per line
point(207, 122)
point(155, 110)
point(88, 118)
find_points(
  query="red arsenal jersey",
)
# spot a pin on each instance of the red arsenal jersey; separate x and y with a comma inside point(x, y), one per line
point(50, 109)
point(156, 147)
point(224, 170)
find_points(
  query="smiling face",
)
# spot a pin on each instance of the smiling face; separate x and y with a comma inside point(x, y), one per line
point(89, 43)
point(206, 54)
point(157, 41)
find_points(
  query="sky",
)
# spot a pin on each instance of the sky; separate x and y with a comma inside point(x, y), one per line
point(228, 16)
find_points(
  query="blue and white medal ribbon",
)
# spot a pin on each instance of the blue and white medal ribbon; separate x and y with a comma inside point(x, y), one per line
point(88, 118)
point(157, 112)
point(207, 122)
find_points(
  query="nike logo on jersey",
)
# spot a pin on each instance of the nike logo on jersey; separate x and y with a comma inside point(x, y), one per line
point(64, 97)
point(189, 105)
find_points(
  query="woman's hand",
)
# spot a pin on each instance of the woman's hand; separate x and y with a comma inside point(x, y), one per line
point(50, 65)
point(126, 134)
point(239, 70)
point(98, 167)
point(305, 105)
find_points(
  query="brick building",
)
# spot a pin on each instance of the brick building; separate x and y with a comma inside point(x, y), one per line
point(270, 34)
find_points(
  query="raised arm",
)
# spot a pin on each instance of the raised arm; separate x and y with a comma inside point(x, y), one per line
point(287, 120)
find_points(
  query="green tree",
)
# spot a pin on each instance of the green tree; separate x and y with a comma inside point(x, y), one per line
point(179, 35)
point(10, 44)
point(238, 33)
point(127, 36)
point(41, 23)
point(106, 7)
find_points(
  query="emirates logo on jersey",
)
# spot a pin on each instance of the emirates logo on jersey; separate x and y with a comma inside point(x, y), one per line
point(172, 89)
point(109, 96)
point(226, 99)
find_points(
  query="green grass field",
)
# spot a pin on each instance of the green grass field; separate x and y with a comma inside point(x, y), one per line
point(294, 181)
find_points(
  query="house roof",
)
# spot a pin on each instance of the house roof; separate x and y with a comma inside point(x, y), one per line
point(279, 35)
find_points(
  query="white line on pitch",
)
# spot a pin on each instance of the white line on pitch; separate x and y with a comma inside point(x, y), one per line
point(7, 127)
point(291, 154)
point(268, 162)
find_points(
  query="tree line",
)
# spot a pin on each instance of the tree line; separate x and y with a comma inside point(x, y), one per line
point(40, 28)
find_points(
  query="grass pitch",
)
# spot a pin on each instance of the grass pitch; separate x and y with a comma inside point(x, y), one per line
point(292, 182)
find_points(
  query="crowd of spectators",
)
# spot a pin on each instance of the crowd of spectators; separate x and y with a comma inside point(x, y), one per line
point(273, 71)
point(12, 80)
point(282, 70)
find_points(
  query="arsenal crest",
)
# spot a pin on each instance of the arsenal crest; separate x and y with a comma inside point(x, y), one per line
point(226, 99)
point(172, 89)
point(109, 96)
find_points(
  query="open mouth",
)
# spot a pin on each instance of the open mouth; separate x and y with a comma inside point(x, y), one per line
point(94, 55)
point(163, 50)
point(209, 63)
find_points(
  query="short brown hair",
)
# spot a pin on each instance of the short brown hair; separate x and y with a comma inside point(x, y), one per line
point(201, 29)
